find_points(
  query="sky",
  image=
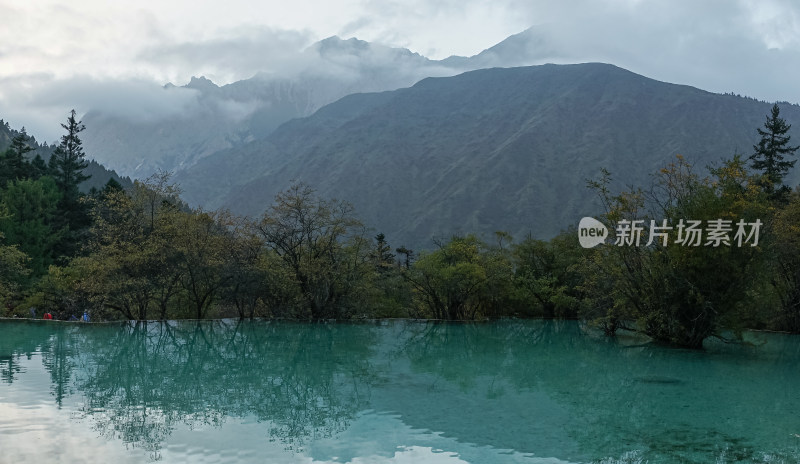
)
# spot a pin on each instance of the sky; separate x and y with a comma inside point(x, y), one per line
point(92, 54)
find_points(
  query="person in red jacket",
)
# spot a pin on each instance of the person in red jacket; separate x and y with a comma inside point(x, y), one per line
point(48, 316)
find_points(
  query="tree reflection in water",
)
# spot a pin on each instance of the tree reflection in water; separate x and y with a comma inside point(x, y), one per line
point(20, 338)
point(142, 379)
point(541, 387)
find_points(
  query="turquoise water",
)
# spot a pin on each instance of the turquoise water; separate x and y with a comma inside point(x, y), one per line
point(389, 392)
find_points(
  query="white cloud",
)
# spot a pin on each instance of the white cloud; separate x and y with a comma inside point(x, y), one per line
point(233, 55)
point(41, 102)
point(63, 55)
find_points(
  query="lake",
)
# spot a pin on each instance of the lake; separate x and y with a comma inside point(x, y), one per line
point(389, 392)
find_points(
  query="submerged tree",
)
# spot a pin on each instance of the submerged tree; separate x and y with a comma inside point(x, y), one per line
point(321, 244)
point(459, 281)
point(674, 292)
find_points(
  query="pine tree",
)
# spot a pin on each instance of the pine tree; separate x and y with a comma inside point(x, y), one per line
point(68, 161)
point(111, 186)
point(66, 167)
point(38, 167)
point(770, 152)
point(382, 255)
point(13, 165)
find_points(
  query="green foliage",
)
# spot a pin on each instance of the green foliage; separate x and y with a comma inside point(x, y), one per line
point(59, 293)
point(13, 165)
point(31, 222)
point(13, 270)
point(770, 152)
point(145, 255)
point(547, 277)
point(675, 293)
point(68, 161)
point(132, 268)
point(201, 247)
point(248, 275)
point(382, 256)
point(66, 166)
point(786, 268)
point(462, 280)
point(38, 167)
point(320, 243)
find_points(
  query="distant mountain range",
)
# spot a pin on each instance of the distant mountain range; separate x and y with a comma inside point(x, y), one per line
point(222, 117)
point(495, 149)
point(428, 148)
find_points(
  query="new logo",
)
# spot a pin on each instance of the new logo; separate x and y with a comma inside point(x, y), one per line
point(591, 232)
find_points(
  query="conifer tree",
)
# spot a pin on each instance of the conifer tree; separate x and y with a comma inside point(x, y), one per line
point(770, 152)
point(68, 161)
point(38, 167)
point(66, 167)
point(13, 165)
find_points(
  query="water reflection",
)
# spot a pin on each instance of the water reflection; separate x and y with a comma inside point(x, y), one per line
point(525, 390)
point(19, 339)
point(553, 389)
point(307, 381)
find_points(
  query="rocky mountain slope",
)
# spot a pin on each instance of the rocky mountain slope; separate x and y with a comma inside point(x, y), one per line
point(496, 149)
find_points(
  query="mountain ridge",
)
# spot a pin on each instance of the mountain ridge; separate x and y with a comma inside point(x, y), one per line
point(221, 117)
point(495, 149)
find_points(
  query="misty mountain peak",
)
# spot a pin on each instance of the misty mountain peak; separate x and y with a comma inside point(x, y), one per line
point(334, 47)
point(335, 44)
point(201, 83)
point(522, 49)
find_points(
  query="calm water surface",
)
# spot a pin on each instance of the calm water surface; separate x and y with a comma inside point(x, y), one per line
point(388, 392)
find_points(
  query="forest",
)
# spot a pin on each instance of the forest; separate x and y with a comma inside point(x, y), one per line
point(141, 253)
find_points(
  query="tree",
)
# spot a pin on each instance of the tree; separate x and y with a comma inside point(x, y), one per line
point(133, 265)
point(786, 269)
point(68, 161)
point(546, 277)
point(459, 280)
point(13, 165)
point(249, 285)
point(674, 293)
point(31, 223)
point(111, 186)
point(409, 256)
point(321, 244)
point(13, 269)
point(770, 152)
point(202, 243)
point(38, 167)
point(66, 167)
point(382, 255)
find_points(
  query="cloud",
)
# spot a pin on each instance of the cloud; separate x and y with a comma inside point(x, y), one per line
point(115, 56)
point(41, 101)
point(233, 55)
point(715, 45)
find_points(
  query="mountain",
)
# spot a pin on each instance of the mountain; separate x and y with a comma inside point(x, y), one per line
point(497, 149)
point(207, 118)
point(525, 48)
point(214, 118)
